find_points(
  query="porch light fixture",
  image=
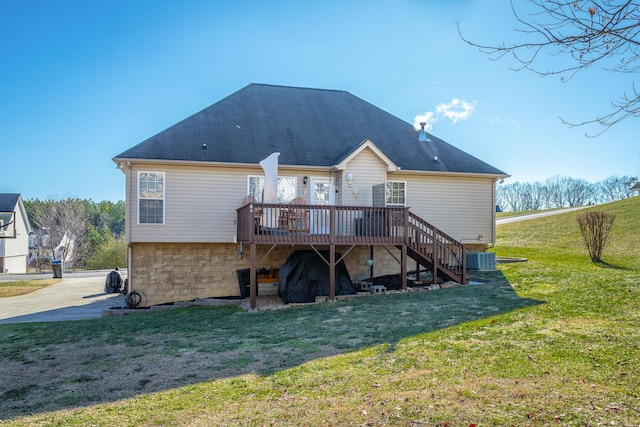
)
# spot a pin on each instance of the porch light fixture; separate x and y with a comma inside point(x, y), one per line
point(422, 136)
point(349, 178)
point(305, 180)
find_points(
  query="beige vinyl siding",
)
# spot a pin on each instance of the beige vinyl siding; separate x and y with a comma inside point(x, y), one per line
point(462, 207)
point(200, 202)
point(368, 170)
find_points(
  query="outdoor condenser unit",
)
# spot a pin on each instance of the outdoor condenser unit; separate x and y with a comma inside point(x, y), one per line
point(481, 261)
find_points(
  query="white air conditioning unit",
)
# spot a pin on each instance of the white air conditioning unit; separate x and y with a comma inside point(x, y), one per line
point(481, 261)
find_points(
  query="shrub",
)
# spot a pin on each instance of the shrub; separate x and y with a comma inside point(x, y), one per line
point(595, 227)
point(110, 254)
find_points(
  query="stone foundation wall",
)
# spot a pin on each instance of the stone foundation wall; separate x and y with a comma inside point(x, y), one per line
point(171, 272)
point(383, 262)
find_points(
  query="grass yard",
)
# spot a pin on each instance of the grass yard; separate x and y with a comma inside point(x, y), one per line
point(553, 341)
point(21, 287)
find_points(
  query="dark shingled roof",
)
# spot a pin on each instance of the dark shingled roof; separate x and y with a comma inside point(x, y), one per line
point(8, 202)
point(309, 127)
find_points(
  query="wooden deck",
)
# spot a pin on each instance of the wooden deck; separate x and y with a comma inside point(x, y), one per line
point(315, 225)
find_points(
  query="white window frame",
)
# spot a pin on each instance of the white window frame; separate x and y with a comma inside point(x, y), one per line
point(161, 197)
point(281, 195)
point(387, 196)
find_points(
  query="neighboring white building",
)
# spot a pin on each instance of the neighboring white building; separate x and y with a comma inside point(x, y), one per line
point(14, 249)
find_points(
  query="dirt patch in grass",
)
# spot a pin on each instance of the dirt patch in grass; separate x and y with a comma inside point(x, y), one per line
point(21, 287)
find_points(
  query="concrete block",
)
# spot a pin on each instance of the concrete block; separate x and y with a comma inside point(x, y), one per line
point(363, 286)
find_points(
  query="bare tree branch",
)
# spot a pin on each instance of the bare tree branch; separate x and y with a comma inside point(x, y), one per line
point(580, 34)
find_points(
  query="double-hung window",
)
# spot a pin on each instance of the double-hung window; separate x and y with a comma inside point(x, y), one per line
point(151, 197)
point(396, 193)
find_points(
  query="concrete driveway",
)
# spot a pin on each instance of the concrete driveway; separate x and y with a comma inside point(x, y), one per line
point(519, 218)
point(73, 298)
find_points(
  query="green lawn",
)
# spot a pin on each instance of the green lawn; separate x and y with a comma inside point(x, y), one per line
point(552, 341)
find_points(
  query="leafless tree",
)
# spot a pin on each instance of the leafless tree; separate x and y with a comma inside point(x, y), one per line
point(561, 191)
point(557, 190)
point(615, 188)
point(580, 192)
point(501, 202)
point(60, 223)
point(45, 219)
point(564, 191)
point(533, 196)
point(508, 197)
point(584, 33)
point(519, 196)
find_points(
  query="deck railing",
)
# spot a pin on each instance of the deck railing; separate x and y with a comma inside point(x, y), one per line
point(352, 225)
point(439, 248)
point(321, 224)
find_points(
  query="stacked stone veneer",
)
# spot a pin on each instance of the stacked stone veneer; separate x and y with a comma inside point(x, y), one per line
point(171, 272)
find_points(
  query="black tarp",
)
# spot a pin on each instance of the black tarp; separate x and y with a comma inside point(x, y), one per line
point(305, 275)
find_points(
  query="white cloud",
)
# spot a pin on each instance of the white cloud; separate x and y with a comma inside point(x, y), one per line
point(428, 118)
point(456, 110)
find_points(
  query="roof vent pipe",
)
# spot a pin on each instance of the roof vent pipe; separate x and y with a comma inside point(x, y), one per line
point(204, 146)
point(422, 136)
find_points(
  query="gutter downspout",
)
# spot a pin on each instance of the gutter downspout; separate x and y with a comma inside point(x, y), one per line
point(127, 219)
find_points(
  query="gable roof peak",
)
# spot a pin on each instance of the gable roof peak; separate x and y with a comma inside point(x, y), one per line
point(8, 201)
point(275, 86)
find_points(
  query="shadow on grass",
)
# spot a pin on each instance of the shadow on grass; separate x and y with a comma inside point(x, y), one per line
point(65, 365)
point(605, 264)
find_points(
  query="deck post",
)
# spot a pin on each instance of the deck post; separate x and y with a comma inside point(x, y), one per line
point(403, 267)
point(332, 272)
point(436, 258)
point(465, 280)
point(405, 240)
point(252, 277)
point(332, 253)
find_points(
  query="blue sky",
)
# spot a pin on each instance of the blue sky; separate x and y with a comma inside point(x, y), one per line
point(82, 81)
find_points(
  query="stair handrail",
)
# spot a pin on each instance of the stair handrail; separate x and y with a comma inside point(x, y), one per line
point(443, 240)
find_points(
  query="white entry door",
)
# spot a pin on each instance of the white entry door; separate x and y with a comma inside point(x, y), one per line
point(322, 193)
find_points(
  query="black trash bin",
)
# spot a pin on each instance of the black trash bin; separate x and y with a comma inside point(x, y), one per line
point(244, 280)
point(56, 265)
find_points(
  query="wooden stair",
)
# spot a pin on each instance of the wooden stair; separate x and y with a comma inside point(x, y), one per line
point(434, 249)
point(265, 223)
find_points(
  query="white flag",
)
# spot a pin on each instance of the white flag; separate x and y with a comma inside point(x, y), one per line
point(270, 189)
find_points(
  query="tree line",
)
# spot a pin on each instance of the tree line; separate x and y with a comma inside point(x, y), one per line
point(80, 233)
point(561, 192)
